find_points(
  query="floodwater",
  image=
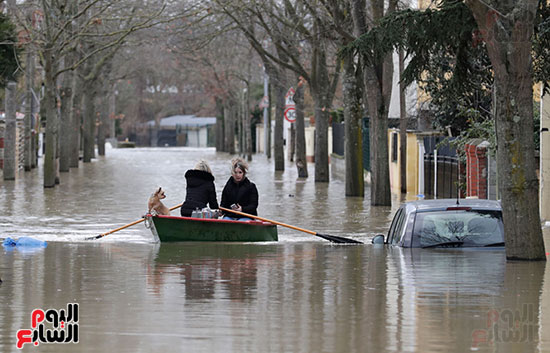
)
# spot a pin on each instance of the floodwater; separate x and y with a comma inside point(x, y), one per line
point(301, 294)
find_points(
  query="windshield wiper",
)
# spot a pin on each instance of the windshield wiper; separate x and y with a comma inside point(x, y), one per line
point(446, 243)
point(495, 244)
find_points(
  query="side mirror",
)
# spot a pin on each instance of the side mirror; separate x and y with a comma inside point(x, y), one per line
point(378, 239)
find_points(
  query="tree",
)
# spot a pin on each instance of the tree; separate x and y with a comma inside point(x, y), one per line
point(507, 28)
point(9, 52)
point(302, 41)
point(378, 75)
point(60, 29)
point(349, 28)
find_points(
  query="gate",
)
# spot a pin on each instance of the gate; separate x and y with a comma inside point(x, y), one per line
point(441, 169)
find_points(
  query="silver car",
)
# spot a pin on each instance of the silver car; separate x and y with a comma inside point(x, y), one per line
point(446, 223)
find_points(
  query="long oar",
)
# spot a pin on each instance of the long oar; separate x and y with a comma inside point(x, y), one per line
point(125, 226)
point(332, 238)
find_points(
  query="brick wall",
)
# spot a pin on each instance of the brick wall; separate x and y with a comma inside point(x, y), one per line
point(476, 168)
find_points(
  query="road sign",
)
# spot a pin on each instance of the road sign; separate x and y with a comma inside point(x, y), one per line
point(290, 114)
point(290, 106)
point(290, 93)
point(264, 103)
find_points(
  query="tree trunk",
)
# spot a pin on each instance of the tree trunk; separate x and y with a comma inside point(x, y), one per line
point(319, 87)
point(247, 125)
point(278, 139)
point(353, 114)
point(229, 126)
point(378, 85)
point(507, 28)
point(380, 176)
point(50, 109)
point(28, 164)
point(239, 122)
point(10, 133)
point(103, 111)
point(291, 142)
point(111, 118)
point(76, 121)
point(89, 122)
point(268, 132)
point(301, 161)
point(220, 146)
point(402, 125)
point(66, 97)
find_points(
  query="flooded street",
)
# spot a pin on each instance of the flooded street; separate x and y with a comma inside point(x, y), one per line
point(301, 294)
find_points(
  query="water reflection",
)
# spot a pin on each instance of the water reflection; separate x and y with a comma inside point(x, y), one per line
point(300, 294)
point(201, 268)
point(299, 297)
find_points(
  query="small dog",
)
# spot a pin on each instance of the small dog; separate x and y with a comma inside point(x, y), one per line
point(156, 207)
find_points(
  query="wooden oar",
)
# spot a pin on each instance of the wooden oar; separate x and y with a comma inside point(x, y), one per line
point(332, 238)
point(125, 226)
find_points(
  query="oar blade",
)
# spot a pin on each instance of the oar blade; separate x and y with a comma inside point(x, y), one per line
point(92, 238)
point(337, 239)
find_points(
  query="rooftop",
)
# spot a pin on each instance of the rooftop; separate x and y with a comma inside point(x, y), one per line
point(184, 120)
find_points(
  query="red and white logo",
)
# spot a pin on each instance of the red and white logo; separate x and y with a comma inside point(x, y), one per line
point(64, 325)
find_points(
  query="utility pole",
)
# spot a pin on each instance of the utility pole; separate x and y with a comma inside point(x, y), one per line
point(266, 114)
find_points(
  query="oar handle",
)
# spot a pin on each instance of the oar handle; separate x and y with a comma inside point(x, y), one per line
point(128, 225)
point(269, 220)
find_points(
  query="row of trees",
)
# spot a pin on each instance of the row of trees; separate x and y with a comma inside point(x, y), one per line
point(76, 54)
point(209, 55)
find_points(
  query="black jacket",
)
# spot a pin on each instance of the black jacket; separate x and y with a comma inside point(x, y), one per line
point(243, 193)
point(200, 191)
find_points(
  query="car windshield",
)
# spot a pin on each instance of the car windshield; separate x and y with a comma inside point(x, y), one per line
point(458, 228)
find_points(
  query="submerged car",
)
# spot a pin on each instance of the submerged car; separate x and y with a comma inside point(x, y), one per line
point(446, 223)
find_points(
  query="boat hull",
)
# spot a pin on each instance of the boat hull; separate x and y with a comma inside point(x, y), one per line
point(172, 229)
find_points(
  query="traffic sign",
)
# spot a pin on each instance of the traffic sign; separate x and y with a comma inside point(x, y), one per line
point(289, 102)
point(264, 103)
point(290, 114)
point(290, 92)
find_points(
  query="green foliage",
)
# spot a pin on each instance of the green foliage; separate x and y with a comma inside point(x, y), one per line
point(541, 45)
point(256, 92)
point(479, 128)
point(337, 115)
point(8, 51)
point(446, 58)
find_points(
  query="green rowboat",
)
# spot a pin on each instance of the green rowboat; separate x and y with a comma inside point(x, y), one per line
point(170, 229)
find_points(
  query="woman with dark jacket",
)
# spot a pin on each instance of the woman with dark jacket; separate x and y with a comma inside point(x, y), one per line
point(200, 189)
point(239, 193)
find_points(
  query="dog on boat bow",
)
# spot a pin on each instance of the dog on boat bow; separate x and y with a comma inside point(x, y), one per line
point(155, 206)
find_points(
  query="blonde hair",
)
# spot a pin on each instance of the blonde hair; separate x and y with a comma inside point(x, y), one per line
point(239, 163)
point(203, 165)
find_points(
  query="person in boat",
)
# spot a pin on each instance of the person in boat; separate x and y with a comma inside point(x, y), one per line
point(239, 193)
point(200, 190)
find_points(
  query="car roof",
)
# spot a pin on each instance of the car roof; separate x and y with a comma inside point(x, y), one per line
point(443, 204)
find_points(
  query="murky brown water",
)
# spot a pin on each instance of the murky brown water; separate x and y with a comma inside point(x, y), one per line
point(301, 294)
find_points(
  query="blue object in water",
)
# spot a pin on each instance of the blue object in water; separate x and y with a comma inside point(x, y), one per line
point(25, 241)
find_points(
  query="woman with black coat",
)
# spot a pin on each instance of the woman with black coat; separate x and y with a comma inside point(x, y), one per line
point(200, 189)
point(239, 192)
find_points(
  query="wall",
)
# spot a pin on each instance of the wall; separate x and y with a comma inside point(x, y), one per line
point(20, 148)
point(412, 164)
point(477, 168)
point(310, 143)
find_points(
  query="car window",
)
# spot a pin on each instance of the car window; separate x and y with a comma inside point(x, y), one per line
point(472, 228)
point(397, 227)
point(391, 231)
